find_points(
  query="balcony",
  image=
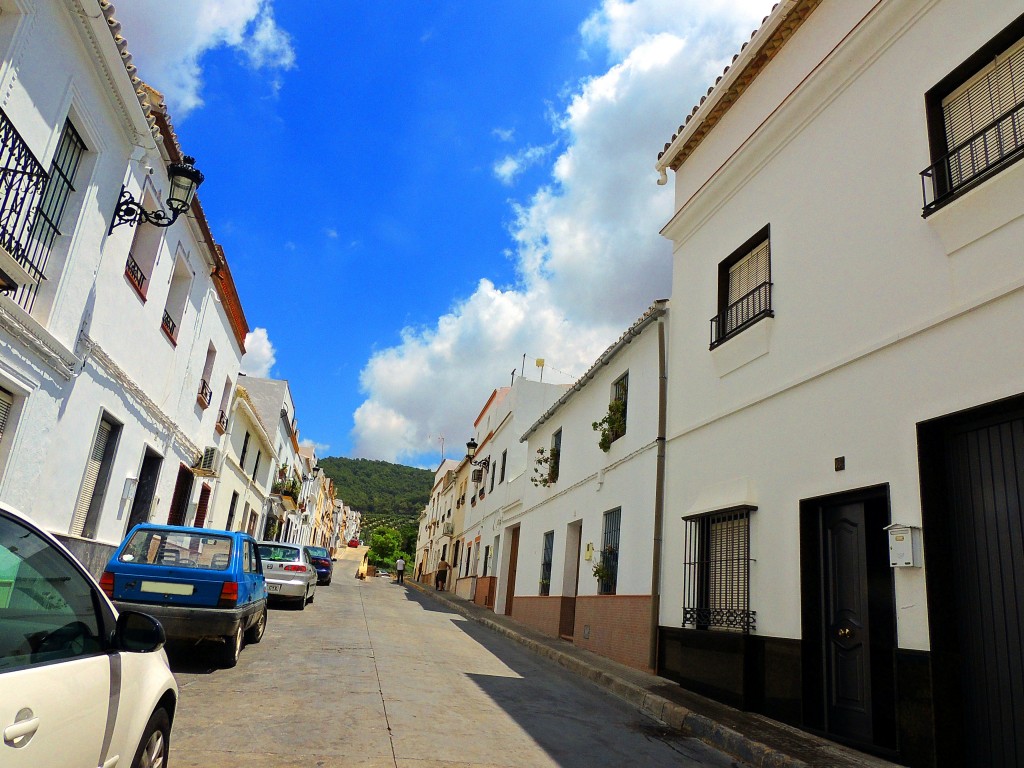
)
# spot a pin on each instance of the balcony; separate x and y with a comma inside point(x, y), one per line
point(135, 276)
point(222, 423)
point(169, 327)
point(990, 150)
point(741, 314)
point(448, 529)
point(22, 182)
point(205, 394)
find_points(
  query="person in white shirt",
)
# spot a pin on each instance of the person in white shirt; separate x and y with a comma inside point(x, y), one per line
point(400, 570)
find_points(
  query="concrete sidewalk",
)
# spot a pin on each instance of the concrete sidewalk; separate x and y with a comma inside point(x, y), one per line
point(754, 739)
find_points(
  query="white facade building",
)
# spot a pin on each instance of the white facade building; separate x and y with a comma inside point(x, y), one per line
point(864, 372)
point(246, 469)
point(101, 427)
point(580, 556)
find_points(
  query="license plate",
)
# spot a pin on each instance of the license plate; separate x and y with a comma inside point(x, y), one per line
point(164, 588)
point(273, 587)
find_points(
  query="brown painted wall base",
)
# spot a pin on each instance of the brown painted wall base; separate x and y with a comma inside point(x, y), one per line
point(541, 613)
point(615, 626)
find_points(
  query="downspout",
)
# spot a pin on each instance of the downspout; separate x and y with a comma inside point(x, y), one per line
point(659, 499)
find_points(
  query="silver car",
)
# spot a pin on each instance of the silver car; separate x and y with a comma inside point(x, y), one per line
point(289, 572)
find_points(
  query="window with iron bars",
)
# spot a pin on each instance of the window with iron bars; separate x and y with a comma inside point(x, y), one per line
point(744, 288)
point(608, 579)
point(716, 572)
point(32, 201)
point(545, 563)
point(976, 119)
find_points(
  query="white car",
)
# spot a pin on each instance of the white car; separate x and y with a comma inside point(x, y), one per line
point(289, 572)
point(80, 685)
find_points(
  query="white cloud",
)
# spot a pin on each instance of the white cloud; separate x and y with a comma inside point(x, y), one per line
point(587, 250)
point(259, 354)
point(331, 233)
point(509, 167)
point(504, 134)
point(320, 449)
point(168, 40)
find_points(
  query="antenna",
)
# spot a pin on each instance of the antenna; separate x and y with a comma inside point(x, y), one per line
point(440, 439)
point(513, 377)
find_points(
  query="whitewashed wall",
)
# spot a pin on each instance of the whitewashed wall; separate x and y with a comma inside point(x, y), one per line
point(882, 319)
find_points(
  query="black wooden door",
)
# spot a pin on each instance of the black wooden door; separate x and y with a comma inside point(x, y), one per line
point(985, 483)
point(513, 564)
point(846, 631)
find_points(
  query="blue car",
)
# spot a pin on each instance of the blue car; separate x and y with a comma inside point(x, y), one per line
point(321, 560)
point(200, 583)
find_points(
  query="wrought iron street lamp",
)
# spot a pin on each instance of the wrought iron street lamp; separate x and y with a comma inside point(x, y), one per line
point(471, 454)
point(185, 179)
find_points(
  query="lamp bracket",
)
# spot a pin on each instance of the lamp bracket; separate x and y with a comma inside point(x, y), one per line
point(484, 462)
point(130, 212)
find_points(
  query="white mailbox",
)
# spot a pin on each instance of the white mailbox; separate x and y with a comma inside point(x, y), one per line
point(904, 545)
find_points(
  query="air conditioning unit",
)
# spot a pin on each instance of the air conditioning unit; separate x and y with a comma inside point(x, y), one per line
point(207, 463)
point(477, 476)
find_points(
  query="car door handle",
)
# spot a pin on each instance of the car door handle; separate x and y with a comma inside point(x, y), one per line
point(20, 730)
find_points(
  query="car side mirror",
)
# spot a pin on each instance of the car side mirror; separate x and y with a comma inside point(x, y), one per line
point(138, 632)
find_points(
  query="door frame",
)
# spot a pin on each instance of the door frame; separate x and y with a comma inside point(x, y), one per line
point(882, 617)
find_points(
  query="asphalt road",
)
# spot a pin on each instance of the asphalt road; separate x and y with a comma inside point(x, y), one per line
point(375, 674)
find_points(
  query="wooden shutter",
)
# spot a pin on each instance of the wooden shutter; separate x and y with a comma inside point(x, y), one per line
point(727, 564)
point(749, 272)
point(968, 110)
point(92, 473)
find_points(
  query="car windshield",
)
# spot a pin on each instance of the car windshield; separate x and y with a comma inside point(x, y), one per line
point(179, 549)
point(317, 552)
point(276, 554)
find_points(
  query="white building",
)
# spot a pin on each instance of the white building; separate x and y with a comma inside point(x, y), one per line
point(281, 519)
point(247, 469)
point(101, 427)
point(864, 371)
point(580, 558)
point(497, 479)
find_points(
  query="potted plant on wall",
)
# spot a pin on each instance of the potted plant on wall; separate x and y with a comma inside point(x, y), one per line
point(612, 426)
point(545, 468)
point(605, 568)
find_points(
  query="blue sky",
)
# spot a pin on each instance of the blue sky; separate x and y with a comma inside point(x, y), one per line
point(412, 196)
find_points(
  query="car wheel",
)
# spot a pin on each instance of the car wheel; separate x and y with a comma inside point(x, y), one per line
point(328, 582)
point(302, 603)
point(232, 648)
point(255, 633)
point(155, 743)
point(311, 595)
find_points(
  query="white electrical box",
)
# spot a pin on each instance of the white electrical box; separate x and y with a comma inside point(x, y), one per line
point(904, 545)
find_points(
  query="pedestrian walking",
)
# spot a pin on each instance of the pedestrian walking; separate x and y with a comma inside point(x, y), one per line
point(441, 576)
point(400, 570)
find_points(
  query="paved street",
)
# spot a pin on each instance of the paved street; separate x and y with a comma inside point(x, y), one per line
point(374, 674)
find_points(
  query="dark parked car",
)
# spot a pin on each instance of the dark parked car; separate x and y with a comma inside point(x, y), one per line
point(200, 583)
point(321, 560)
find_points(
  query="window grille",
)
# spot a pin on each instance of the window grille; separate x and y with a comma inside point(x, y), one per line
point(716, 572)
point(982, 125)
point(6, 403)
point(22, 181)
point(620, 394)
point(46, 224)
point(746, 294)
point(545, 563)
point(610, 553)
point(556, 455)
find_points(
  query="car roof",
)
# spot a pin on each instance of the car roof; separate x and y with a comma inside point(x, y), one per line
point(188, 529)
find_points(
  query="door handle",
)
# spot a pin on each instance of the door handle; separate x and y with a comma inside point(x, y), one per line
point(844, 633)
point(22, 729)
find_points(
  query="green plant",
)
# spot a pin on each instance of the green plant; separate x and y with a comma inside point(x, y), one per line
point(606, 565)
point(612, 426)
point(545, 468)
point(286, 488)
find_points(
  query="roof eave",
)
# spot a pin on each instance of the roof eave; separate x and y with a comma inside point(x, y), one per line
point(766, 41)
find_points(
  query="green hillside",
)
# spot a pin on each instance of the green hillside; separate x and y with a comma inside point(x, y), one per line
point(378, 487)
point(390, 497)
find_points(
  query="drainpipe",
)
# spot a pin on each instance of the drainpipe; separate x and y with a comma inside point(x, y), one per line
point(659, 498)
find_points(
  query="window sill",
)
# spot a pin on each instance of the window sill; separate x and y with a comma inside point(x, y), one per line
point(982, 210)
point(747, 345)
point(167, 335)
point(138, 291)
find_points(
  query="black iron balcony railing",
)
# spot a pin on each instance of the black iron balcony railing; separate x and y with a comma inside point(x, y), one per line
point(135, 274)
point(222, 421)
point(169, 325)
point(22, 182)
point(205, 393)
point(741, 314)
point(970, 162)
